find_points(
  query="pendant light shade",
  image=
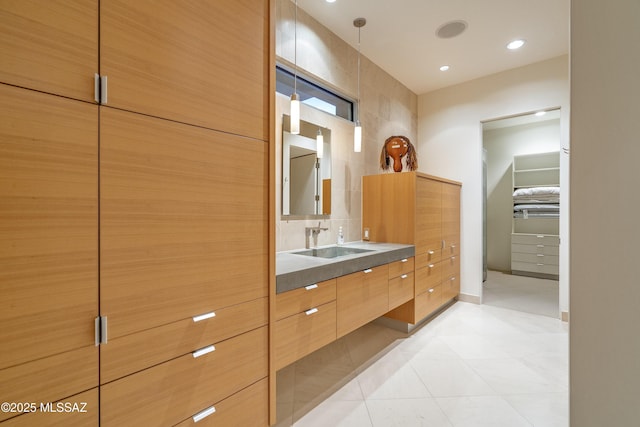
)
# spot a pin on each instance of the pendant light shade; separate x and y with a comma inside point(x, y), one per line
point(319, 144)
point(357, 131)
point(294, 126)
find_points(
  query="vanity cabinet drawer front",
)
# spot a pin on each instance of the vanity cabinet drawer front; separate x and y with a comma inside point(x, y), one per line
point(300, 334)
point(535, 239)
point(398, 268)
point(49, 379)
point(361, 297)
point(401, 290)
point(132, 353)
point(247, 407)
point(85, 414)
point(427, 302)
point(450, 267)
point(450, 288)
point(535, 268)
point(429, 257)
point(173, 391)
point(535, 258)
point(428, 277)
point(301, 299)
point(535, 249)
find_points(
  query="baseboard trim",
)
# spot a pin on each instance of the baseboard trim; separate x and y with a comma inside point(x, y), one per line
point(564, 316)
point(475, 299)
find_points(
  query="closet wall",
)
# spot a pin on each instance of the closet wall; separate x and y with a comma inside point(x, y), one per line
point(502, 143)
point(131, 205)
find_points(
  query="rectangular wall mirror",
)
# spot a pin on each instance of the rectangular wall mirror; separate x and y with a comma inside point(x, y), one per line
point(306, 171)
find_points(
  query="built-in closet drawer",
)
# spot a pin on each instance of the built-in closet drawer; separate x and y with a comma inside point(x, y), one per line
point(401, 289)
point(302, 299)
point(537, 248)
point(80, 410)
point(535, 239)
point(401, 267)
point(428, 301)
point(428, 277)
point(247, 407)
point(300, 334)
point(132, 353)
point(173, 391)
point(535, 258)
point(535, 268)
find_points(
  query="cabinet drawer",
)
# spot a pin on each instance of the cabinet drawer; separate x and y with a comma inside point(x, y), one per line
point(452, 249)
point(299, 300)
point(300, 334)
point(401, 290)
point(428, 277)
point(535, 268)
point(450, 288)
point(248, 407)
point(49, 379)
point(398, 268)
point(427, 302)
point(431, 256)
point(85, 414)
point(538, 248)
point(171, 392)
point(361, 297)
point(132, 353)
point(535, 258)
point(450, 267)
point(536, 239)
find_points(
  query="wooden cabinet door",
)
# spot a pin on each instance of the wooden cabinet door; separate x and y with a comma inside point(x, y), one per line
point(200, 62)
point(184, 221)
point(50, 46)
point(49, 235)
point(361, 297)
point(451, 219)
point(428, 218)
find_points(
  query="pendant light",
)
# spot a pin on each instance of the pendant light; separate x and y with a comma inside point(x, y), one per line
point(294, 127)
point(319, 144)
point(357, 131)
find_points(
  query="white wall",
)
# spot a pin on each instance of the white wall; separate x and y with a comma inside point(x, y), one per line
point(450, 145)
point(605, 200)
point(501, 145)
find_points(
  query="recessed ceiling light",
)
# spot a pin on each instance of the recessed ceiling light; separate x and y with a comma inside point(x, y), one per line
point(540, 113)
point(516, 44)
point(331, 1)
point(444, 68)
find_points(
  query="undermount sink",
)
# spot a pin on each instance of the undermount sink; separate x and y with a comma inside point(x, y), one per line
point(331, 251)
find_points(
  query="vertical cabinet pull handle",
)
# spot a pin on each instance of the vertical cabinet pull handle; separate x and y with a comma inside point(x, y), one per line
point(204, 316)
point(368, 270)
point(310, 312)
point(311, 287)
point(96, 87)
point(203, 414)
point(203, 351)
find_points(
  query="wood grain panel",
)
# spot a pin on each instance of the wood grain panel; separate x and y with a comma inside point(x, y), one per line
point(49, 379)
point(428, 302)
point(428, 277)
point(247, 407)
point(132, 353)
point(451, 219)
point(85, 414)
point(404, 313)
point(300, 334)
point(450, 288)
point(184, 221)
point(401, 290)
point(301, 299)
point(428, 216)
point(361, 298)
point(398, 268)
point(49, 226)
point(204, 63)
point(50, 46)
point(171, 392)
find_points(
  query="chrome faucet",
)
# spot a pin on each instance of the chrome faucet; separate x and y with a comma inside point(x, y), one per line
point(312, 232)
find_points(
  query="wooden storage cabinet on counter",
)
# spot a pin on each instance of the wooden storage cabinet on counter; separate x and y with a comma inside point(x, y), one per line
point(306, 321)
point(430, 210)
point(361, 297)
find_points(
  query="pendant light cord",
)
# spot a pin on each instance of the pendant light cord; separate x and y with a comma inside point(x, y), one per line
point(295, 51)
point(359, 28)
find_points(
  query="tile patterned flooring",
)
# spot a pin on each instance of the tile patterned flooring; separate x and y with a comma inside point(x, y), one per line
point(471, 366)
point(528, 294)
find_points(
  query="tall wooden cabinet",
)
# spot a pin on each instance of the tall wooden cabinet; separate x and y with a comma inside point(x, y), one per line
point(135, 264)
point(422, 210)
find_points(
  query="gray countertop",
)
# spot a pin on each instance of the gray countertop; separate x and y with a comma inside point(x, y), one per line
point(295, 271)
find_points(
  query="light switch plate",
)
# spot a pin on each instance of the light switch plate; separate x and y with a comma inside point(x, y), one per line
point(365, 235)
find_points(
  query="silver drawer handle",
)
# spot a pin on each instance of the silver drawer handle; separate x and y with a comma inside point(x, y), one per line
point(541, 255)
point(368, 270)
point(431, 290)
point(310, 287)
point(540, 236)
point(203, 351)
point(404, 276)
point(310, 312)
point(540, 264)
point(204, 316)
point(453, 246)
point(453, 279)
point(203, 414)
point(540, 246)
point(404, 260)
point(431, 265)
point(453, 258)
point(431, 252)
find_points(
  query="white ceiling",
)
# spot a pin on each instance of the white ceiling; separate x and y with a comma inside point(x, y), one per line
point(400, 35)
